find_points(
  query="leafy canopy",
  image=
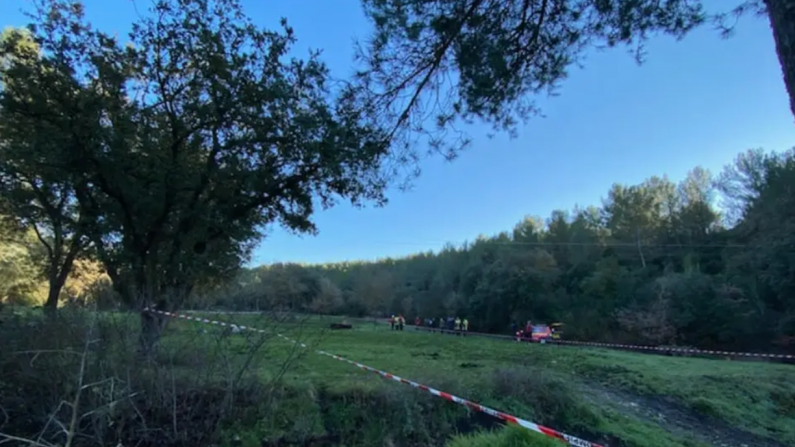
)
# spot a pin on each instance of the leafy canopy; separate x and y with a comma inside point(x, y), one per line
point(182, 144)
point(466, 60)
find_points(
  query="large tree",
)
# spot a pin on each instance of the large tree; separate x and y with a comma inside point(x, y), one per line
point(35, 195)
point(184, 143)
point(782, 21)
point(460, 60)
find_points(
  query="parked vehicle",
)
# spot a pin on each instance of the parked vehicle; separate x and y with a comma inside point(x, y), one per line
point(541, 333)
point(557, 330)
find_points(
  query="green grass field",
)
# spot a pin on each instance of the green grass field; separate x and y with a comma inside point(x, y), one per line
point(604, 396)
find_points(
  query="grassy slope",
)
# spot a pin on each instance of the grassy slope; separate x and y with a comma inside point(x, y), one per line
point(510, 437)
point(755, 397)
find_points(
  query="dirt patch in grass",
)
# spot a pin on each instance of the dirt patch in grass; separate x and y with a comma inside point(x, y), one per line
point(469, 365)
point(750, 397)
point(429, 355)
point(673, 416)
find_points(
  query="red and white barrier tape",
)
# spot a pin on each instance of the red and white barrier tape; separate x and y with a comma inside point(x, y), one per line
point(618, 345)
point(571, 440)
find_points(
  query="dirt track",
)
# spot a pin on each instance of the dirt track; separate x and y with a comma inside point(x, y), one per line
point(676, 418)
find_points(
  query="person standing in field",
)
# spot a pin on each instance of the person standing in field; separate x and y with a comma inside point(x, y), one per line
point(401, 322)
point(465, 326)
point(457, 324)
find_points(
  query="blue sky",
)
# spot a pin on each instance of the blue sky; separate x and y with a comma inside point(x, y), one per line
point(695, 102)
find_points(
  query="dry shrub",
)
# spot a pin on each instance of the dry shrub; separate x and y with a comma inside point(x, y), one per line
point(79, 380)
point(552, 400)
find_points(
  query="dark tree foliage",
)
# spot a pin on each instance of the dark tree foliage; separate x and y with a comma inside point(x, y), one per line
point(463, 60)
point(782, 21)
point(181, 145)
point(484, 59)
point(35, 196)
point(657, 263)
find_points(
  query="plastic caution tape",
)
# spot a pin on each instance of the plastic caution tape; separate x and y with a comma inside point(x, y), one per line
point(616, 345)
point(571, 440)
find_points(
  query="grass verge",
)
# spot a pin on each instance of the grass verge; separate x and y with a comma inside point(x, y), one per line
point(545, 383)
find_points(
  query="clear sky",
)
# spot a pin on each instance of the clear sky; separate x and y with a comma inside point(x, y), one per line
point(695, 102)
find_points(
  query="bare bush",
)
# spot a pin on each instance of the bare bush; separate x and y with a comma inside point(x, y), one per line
point(551, 399)
point(79, 380)
point(652, 323)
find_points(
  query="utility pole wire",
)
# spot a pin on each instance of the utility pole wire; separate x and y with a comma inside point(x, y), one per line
point(561, 244)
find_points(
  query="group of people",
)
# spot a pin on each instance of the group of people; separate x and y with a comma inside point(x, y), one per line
point(522, 333)
point(461, 327)
point(449, 323)
point(397, 322)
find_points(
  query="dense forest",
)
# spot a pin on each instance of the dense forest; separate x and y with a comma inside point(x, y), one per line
point(707, 262)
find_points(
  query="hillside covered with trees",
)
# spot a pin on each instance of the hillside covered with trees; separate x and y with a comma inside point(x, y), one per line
point(706, 262)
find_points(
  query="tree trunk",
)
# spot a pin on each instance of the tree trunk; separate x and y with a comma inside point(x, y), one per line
point(782, 20)
point(54, 292)
point(151, 327)
point(57, 279)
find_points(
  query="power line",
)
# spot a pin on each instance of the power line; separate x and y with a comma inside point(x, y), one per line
point(568, 244)
point(628, 249)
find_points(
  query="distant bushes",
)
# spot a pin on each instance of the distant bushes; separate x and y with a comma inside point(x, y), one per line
point(81, 382)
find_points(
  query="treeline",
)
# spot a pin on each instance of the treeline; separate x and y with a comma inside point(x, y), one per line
point(707, 262)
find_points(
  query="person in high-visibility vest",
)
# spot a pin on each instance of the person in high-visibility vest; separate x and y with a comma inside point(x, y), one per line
point(465, 325)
